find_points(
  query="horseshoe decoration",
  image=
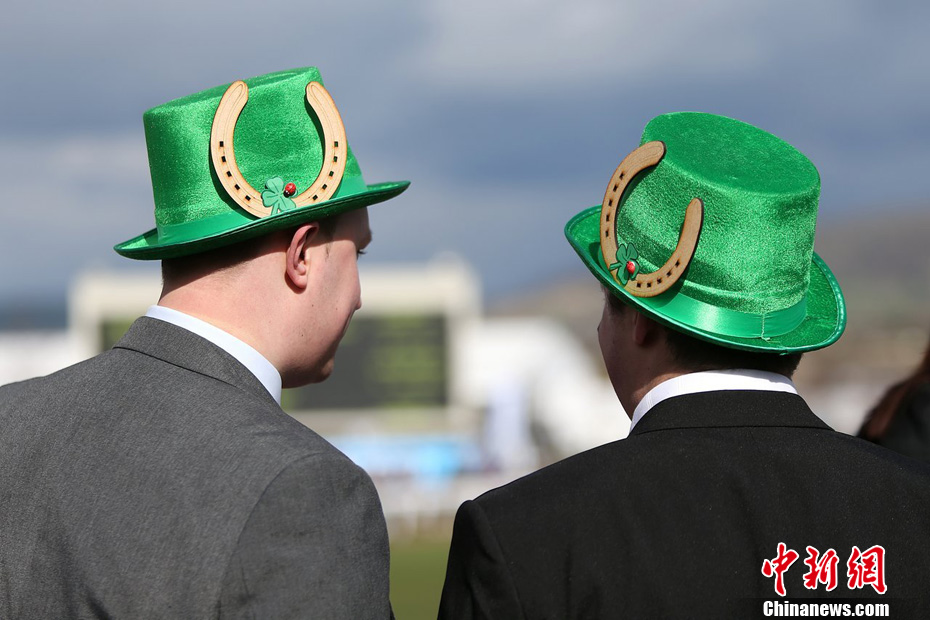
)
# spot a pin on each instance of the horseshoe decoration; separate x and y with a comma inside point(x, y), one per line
point(224, 157)
point(657, 282)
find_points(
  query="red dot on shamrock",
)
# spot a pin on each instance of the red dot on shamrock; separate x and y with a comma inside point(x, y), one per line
point(290, 189)
point(630, 266)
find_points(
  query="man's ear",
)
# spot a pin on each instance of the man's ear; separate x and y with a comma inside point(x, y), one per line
point(297, 266)
point(645, 330)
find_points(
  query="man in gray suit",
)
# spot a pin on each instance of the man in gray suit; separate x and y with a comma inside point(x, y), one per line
point(161, 478)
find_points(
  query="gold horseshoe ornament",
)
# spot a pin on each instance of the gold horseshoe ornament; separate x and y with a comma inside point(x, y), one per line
point(224, 157)
point(659, 281)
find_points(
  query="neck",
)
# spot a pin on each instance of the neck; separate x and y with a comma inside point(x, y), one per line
point(646, 384)
point(228, 308)
point(718, 378)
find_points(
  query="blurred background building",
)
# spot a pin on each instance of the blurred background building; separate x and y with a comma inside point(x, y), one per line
point(509, 117)
point(436, 400)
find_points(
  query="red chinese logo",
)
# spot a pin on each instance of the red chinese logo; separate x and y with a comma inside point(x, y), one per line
point(778, 565)
point(822, 570)
point(864, 568)
point(867, 568)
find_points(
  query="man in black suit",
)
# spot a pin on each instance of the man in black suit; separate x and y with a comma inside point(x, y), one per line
point(161, 479)
point(729, 498)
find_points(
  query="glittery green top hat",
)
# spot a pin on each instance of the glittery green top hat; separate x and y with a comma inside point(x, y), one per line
point(708, 227)
point(241, 160)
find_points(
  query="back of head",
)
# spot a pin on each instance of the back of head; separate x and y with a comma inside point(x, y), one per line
point(229, 261)
point(688, 354)
point(219, 262)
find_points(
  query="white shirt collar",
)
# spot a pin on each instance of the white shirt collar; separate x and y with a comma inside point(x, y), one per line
point(712, 381)
point(256, 363)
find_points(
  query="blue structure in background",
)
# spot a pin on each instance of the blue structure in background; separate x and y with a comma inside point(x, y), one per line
point(431, 459)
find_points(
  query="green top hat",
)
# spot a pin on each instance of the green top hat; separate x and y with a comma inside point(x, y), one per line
point(242, 160)
point(708, 227)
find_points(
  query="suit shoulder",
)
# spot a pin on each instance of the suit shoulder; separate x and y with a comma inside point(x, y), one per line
point(86, 371)
point(619, 465)
point(122, 394)
point(876, 458)
point(320, 473)
point(314, 543)
point(36, 388)
point(13, 391)
point(566, 476)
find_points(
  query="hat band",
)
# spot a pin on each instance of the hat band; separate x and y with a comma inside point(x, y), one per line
point(233, 219)
point(198, 229)
point(722, 321)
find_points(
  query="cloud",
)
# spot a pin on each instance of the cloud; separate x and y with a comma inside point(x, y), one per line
point(512, 236)
point(508, 116)
point(99, 65)
point(69, 201)
point(553, 44)
point(92, 181)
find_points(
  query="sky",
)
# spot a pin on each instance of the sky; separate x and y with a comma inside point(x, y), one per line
point(507, 116)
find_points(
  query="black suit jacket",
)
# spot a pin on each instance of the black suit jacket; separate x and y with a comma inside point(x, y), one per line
point(676, 520)
point(161, 480)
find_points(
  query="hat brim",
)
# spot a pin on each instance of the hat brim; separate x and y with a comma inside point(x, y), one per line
point(823, 324)
point(147, 247)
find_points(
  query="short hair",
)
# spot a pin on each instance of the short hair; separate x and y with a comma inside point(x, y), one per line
point(895, 401)
point(176, 270)
point(696, 355)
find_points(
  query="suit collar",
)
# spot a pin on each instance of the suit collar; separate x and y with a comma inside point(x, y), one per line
point(728, 409)
point(248, 356)
point(712, 381)
point(180, 347)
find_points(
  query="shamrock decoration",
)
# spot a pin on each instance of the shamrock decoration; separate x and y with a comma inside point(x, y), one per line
point(626, 264)
point(276, 197)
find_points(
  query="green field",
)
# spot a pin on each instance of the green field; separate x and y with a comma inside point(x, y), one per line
point(418, 568)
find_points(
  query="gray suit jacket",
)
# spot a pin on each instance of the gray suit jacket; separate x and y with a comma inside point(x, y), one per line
point(161, 480)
